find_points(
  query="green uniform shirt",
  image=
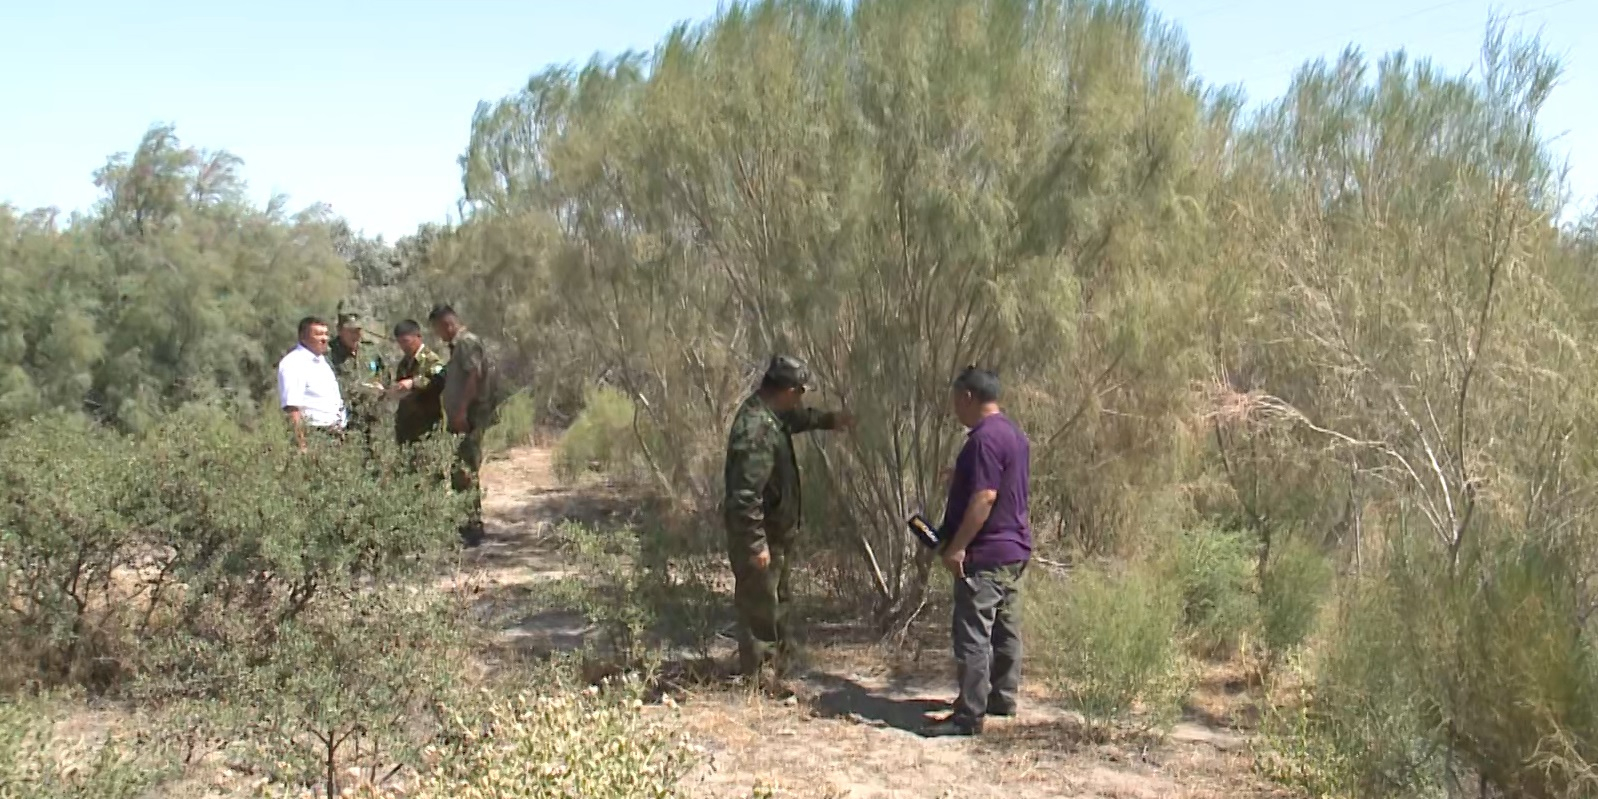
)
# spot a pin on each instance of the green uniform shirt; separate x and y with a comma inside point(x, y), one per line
point(354, 370)
point(468, 356)
point(419, 412)
point(762, 475)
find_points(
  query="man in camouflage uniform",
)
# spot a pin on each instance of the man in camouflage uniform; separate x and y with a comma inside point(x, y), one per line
point(761, 511)
point(469, 388)
point(418, 384)
point(359, 373)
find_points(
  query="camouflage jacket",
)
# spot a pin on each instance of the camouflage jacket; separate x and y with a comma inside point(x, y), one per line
point(468, 356)
point(420, 410)
point(354, 372)
point(762, 475)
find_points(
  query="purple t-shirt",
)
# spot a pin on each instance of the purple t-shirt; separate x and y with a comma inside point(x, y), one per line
point(996, 457)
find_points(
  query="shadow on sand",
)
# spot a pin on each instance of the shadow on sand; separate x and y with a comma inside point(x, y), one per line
point(844, 698)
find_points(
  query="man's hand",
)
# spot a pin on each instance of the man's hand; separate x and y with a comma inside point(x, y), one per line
point(954, 561)
point(401, 387)
point(761, 560)
point(457, 423)
point(846, 420)
point(298, 424)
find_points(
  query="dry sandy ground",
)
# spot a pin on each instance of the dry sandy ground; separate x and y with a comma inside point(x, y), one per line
point(852, 731)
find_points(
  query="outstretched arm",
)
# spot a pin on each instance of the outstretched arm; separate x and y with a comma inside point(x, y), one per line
point(804, 420)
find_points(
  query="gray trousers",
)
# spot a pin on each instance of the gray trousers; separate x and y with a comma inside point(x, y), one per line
point(987, 642)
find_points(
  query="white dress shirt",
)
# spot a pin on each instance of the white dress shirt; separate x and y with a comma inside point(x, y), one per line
point(306, 381)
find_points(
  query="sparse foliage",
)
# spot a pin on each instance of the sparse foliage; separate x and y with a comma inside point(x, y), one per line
point(1336, 358)
point(1107, 643)
point(603, 437)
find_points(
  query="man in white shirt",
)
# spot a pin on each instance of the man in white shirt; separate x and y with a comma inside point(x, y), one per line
point(306, 386)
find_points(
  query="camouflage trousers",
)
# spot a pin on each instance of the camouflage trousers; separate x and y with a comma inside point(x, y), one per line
point(464, 478)
point(761, 598)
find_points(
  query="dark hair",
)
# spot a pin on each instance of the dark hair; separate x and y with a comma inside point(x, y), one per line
point(309, 322)
point(981, 384)
point(409, 327)
point(440, 311)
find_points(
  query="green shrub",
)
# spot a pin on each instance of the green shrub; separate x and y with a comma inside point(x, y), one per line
point(601, 439)
point(1519, 686)
point(1296, 582)
point(64, 534)
point(1364, 730)
point(597, 742)
point(201, 528)
point(644, 592)
point(1107, 643)
point(514, 422)
point(1215, 570)
point(258, 532)
point(1468, 672)
point(348, 685)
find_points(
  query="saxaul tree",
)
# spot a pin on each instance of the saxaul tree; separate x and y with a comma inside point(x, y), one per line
point(892, 190)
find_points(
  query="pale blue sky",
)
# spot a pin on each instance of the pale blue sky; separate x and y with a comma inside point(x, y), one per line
point(365, 105)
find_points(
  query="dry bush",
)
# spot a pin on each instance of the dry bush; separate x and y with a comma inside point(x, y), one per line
point(597, 741)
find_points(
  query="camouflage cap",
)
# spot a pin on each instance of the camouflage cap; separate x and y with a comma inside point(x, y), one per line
point(788, 372)
point(350, 315)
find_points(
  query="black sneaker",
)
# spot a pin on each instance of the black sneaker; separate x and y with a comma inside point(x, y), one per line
point(1001, 711)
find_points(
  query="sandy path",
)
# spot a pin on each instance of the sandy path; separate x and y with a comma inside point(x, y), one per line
point(851, 732)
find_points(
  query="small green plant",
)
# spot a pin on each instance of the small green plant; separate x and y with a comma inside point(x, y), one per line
point(514, 422)
point(1293, 750)
point(602, 438)
point(646, 594)
point(1215, 569)
point(1107, 644)
point(1296, 581)
point(1364, 728)
point(1438, 673)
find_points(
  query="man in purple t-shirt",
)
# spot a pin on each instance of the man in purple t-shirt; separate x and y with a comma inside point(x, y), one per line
point(989, 542)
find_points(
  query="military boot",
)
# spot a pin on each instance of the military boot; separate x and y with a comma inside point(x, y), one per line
point(773, 684)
